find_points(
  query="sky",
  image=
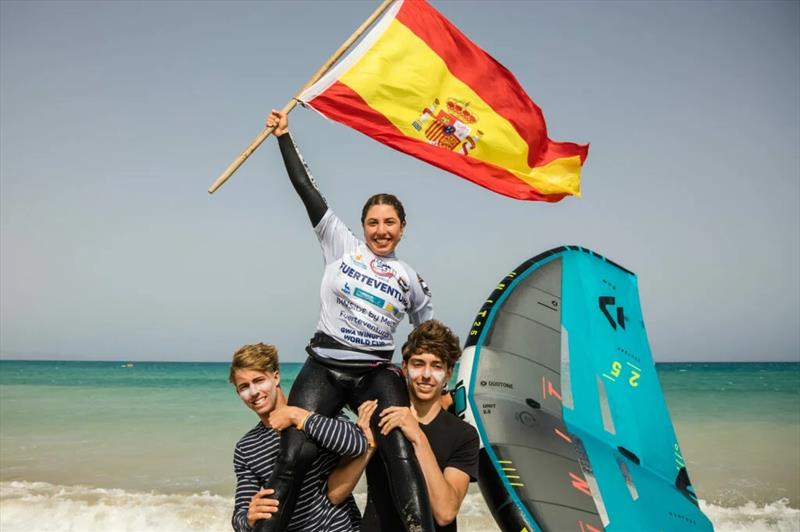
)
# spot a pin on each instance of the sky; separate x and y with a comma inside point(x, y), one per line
point(116, 117)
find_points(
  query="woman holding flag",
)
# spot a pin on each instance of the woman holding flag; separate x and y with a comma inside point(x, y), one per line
point(366, 291)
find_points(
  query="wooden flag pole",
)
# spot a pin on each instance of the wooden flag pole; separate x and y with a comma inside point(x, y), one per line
point(293, 102)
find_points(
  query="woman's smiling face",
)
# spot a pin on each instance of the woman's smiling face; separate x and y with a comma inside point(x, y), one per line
point(382, 229)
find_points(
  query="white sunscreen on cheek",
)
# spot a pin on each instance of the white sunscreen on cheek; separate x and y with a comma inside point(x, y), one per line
point(435, 374)
point(265, 387)
point(438, 375)
point(414, 373)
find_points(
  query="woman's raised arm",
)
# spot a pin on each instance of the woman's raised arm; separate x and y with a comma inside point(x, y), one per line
point(298, 172)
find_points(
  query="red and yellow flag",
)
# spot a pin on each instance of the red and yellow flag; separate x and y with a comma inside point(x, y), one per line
point(417, 84)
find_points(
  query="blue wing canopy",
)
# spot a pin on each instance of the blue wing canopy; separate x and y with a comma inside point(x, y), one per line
point(562, 387)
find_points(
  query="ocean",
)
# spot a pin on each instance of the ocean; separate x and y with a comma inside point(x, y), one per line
point(88, 446)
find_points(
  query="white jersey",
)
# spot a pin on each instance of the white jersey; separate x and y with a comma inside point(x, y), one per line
point(364, 296)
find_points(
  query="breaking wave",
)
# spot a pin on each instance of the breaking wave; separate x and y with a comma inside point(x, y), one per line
point(28, 506)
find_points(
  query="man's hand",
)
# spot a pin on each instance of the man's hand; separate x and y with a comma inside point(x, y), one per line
point(280, 121)
point(261, 507)
point(285, 416)
point(365, 412)
point(400, 417)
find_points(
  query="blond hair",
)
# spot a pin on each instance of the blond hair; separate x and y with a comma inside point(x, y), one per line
point(260, 357)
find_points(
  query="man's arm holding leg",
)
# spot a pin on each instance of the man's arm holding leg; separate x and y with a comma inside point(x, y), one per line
point(446, 489)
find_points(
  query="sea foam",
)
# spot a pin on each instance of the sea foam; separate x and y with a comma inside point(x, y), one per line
point(28, 506)
point(43, 506)
point(750, 517)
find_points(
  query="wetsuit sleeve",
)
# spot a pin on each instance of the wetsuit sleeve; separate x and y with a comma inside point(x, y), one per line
point(334, 236)
point(338, 435)
point(420, 306)
point(246, 486)
point(301, 179)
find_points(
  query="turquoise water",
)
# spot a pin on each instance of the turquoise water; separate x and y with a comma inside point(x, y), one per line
point(768, 392)
point(164, 426)
point(739, 427)
point(162, 434)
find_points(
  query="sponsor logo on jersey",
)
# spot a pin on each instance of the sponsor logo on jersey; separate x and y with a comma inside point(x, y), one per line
point(377, 284)
point(381, 269)
point(378, 302)
point(372, 298)
point(403, 284)
point(359, 261)
point(424, 286)
point(350, 305)
point(346, 289)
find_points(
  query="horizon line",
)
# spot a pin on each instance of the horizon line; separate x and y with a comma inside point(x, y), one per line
point(132, 360)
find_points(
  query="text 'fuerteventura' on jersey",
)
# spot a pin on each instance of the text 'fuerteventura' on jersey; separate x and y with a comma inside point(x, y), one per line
point(364, 296)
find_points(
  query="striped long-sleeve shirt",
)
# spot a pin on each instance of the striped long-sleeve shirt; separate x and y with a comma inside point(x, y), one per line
point(254, 460)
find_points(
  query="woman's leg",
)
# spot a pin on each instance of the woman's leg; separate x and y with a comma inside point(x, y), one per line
point(406, 483)
point(313, 390)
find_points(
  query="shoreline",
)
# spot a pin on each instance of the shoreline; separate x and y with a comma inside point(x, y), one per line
point(64, 507)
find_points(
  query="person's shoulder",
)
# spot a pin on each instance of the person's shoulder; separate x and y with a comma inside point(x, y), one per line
point(253, 436)
point(332, 228)
point(412, 275)
point(460, 429)
point(328, 218)
point(445, 416)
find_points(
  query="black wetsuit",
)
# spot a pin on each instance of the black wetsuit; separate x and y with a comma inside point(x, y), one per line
point(336, 374)
point(454, 443)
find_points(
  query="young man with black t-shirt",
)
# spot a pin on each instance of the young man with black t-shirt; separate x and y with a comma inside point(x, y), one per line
point(446, 447)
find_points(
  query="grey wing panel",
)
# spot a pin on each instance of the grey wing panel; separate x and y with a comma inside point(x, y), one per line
point(517, 395)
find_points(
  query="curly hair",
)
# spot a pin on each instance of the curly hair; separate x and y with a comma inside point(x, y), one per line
point(433, 337)
point(260, 357)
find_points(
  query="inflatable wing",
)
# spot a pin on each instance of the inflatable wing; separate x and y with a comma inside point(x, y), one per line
point(558, 378)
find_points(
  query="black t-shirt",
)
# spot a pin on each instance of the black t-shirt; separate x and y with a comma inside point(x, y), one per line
point(455, 444)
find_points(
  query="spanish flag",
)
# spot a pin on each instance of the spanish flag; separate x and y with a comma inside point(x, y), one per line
point(417, 84)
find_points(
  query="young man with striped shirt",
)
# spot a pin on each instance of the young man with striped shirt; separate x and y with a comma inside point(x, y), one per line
point(254, 373)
